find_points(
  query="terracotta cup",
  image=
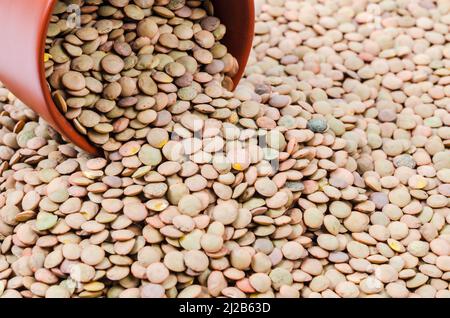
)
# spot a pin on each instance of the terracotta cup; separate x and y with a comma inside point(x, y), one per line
point(23, 28)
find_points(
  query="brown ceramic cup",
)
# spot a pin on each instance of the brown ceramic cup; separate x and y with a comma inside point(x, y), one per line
point(23, 29)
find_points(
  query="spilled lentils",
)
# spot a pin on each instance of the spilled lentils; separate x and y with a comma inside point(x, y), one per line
point(325, 174)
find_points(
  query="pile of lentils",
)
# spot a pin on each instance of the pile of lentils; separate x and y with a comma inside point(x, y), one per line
point(327, 173)
point(129, 66)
